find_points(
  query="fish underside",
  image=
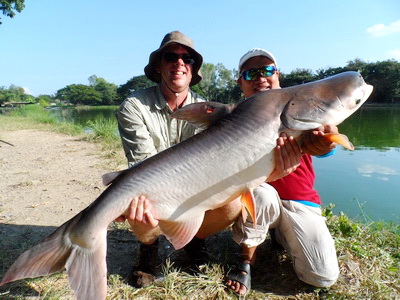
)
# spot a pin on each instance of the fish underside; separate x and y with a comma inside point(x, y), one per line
point(226, 160)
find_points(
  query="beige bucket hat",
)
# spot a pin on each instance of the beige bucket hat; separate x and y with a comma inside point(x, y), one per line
point(174, 37)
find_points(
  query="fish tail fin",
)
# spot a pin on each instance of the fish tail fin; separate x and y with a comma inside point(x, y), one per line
point(47, 257)
point(340, 139)
point(86, 269)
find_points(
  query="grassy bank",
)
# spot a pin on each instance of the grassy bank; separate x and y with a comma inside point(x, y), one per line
point(368, 252)
point(103, 131)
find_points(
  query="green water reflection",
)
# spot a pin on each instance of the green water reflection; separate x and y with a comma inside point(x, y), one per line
point(374, 127)
point(82, 115)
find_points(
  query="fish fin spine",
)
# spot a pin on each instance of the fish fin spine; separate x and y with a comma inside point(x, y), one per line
point(249, 203)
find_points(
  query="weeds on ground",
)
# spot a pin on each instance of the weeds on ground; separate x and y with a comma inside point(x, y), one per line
point(369, 257)
point(105, 132)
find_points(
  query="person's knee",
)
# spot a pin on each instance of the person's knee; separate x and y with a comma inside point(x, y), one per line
point(267, 203)
point(321, 280)
point(320, 275)
point(148, 237)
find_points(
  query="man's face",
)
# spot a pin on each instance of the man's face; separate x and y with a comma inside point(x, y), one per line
point(261, 83)
point(175, 73)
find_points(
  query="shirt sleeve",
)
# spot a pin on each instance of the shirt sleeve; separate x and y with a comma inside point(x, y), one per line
point(135, 136)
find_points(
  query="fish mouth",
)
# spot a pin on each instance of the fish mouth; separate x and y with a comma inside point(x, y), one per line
point(294, 123)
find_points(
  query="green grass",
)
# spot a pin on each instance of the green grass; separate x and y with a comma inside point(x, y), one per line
point(104, 131)
point(368, 252)
point(34, 116)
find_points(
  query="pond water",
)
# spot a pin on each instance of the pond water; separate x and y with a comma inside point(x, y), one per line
point(363, 182)
point(83, 115)
point(366, 180)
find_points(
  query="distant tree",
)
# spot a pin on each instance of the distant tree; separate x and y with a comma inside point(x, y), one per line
point(92, 80)
point(208, 85)
point(298, 76)
point(219, 84)
point(385, 77)
point(356, 65)
point(14, 94)
point(106, 89)
point(196, 88)
point(134, 84)
point(44, 100)
point(9, 7)
point(323, 73)
point(80, 94)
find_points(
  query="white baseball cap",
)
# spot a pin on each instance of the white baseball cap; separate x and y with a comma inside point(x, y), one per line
point(256, 52)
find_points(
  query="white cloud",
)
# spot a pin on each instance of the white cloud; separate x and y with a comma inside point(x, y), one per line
point(366, 175)
point(27, 91)
point(394, 54)
point(383, 178)
point(368, 169)
point(381, 29)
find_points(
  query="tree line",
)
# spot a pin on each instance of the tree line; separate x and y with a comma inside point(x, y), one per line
point(218, 84)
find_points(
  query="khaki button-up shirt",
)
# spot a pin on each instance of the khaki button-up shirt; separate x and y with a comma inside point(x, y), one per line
point(146, 126)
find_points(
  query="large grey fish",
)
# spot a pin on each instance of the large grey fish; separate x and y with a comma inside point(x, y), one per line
point(228, 159)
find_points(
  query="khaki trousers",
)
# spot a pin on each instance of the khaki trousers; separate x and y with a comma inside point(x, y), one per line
point(299, 228)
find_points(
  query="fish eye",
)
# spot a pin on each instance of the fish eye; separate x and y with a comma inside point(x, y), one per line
point(358, 101)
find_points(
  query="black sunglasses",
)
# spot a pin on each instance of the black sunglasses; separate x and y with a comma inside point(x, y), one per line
point(252, 74)
point(173, 57)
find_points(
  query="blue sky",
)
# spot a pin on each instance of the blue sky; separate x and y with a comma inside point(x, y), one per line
point(52, 44)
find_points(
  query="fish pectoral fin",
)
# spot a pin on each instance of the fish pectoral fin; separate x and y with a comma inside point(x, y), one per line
point(181, 233)
point(249, 204)
point(340, 139)
point(203, 114)
point(108, 178)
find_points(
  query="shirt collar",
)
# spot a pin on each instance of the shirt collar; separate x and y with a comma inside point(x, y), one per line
point(161, 103)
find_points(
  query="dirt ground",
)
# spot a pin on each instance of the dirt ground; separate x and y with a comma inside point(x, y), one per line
point(45, 179)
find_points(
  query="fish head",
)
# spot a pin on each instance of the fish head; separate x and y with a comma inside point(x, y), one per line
point(325, 102)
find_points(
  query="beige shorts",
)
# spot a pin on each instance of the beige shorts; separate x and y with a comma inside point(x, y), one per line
point(299, 228)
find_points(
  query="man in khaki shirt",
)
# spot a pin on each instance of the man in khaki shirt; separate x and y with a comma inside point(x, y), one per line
point(144, 121)
point(146, 127)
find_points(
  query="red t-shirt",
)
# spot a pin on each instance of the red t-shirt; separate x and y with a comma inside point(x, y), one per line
point(299, 185)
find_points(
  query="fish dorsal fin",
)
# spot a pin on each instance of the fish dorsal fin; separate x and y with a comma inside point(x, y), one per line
point(108, 178)
point(249, 204)
point(181, 233)
point(340, 139)
point(203, 114)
